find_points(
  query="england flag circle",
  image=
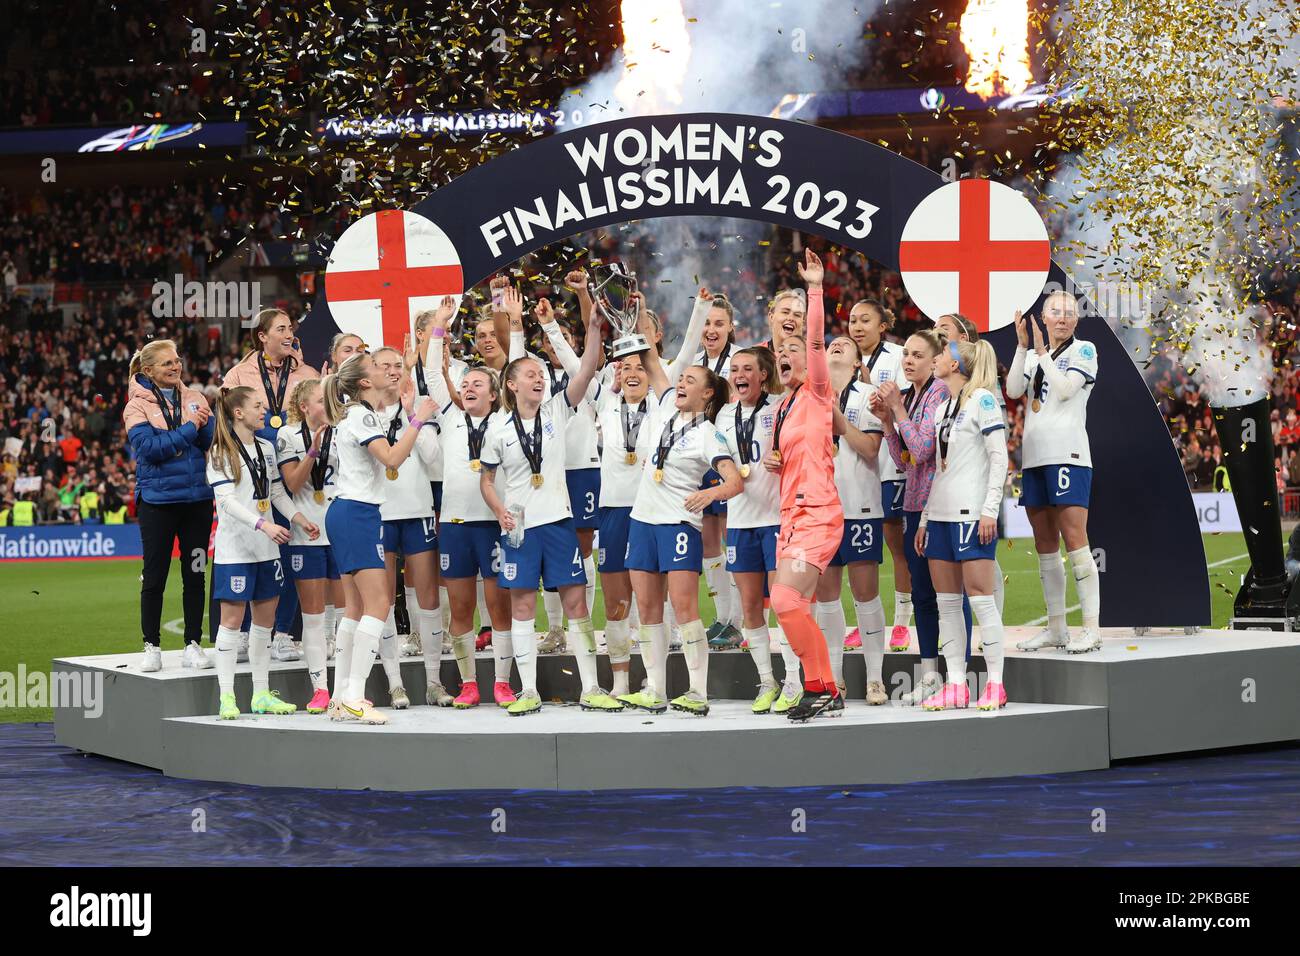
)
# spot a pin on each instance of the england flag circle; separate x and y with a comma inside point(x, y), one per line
point(974, 247)
point(387, 268)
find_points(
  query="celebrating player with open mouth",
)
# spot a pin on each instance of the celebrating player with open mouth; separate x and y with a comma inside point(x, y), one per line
point(664, 545)
point(538, 542)
point(812, 517)
point(1057, 465)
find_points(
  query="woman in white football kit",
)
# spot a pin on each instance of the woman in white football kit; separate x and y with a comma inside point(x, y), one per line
point(958, 328)
point(411, 530)
point(526, 445)
point(309, 462)
point(621, 412)
point(1057, 465)
point(857, 439)
point(719, 341)
point(754, 517)
point(882, 361)
point(468, 529)
point(246, 569)
point(958, 532)
point(664, 545)
point(355, 527)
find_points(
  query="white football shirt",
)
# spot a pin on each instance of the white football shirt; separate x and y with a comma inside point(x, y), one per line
point(1057, 434)
point(237, 542)
point(360, 475)
point(502, 450)
point(291, 445)
point(961, 478)
point(857, 479)
point(693, 452)
point(759, 505)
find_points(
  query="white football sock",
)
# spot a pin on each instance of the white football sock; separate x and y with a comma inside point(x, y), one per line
point(760, 650)
point(589, 568)
point(582, 645)
point(313, 646)
point(902, 608)
point(695, 648)
point(503, 650)
point(412, 602)
point(952, 636)
point(343, 658)
point(331, 620)
point(227, 653)
point(619, 641)
point(554, 609)
point(463, 647)
point(259, 656)
point(654, 655)
point(444, 607)
point(523, 639)
point(871, 626)
point(365, 642)
point(790, 659)
point(1087, 585)
point(985, 610)
point(431, 643)
point(830, 618)
point(733, 597)
point(1052, 573)
point(999, 586)
point(388, 652)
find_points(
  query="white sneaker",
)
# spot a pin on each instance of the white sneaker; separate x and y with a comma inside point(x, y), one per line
point(553, 643)
point(1044, 638)
point(284, 650)
point(435, 695)
point(411, 646)
point(152, 659)
point(194, 657)
point(1083, 642)
point(931, 683)
point(241, 656)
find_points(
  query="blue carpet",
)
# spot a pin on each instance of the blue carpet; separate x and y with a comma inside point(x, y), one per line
point(58, 807)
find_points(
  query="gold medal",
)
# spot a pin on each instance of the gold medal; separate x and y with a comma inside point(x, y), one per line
point(476, 465)
point(276, 421)
point(1036, 405)
point(659, 474)
point(538, 479)
point(943, 465)
point(263, 505)
point(907, 457)
point(319, 496)
point(776, 454)
point(835, 450)
point(390, 474)
point(744, 471)
point(630, 458)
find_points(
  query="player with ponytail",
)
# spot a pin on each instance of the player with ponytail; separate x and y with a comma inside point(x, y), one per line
point(247, 572)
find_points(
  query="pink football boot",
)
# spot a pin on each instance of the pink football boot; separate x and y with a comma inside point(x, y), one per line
point(952, 697)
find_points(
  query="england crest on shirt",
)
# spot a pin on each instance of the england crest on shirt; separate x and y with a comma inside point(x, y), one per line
point(444, 560)
point(767, 420)
point(509, 570)
point(295, 562)
point(237, 583)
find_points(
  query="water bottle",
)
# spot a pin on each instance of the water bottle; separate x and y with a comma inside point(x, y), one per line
point(515, 537)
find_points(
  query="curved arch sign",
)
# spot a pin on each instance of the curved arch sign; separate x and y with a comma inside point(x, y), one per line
point(387, 266)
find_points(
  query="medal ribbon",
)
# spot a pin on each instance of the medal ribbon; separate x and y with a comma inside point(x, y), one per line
point(1038, 372)
point(531, 447)
point(274, 396)
point(780, 417)
point(261, 481)
point(173, 423)
point(631, 424)
point(945, 427)
point(475, 436)
point(668, 439)
point(322, 463)
point(844, 403)
point(745, 430)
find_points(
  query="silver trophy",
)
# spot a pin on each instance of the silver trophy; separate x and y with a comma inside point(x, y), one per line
point(614, 295)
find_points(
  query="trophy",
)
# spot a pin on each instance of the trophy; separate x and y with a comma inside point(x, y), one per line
point(614, 297)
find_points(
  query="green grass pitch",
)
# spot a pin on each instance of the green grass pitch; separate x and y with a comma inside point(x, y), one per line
point(61, 609)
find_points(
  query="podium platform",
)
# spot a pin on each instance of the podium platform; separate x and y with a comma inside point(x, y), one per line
point(1164, 692)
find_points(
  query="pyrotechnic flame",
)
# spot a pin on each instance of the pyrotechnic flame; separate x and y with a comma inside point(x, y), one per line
point(656, 53)
point(996, 36)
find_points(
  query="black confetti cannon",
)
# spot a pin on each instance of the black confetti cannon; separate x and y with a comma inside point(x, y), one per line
point(1265, 601)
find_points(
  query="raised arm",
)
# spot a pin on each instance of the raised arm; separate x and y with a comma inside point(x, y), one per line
point(811, 271)
point(592, 352)
point(691, 342)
